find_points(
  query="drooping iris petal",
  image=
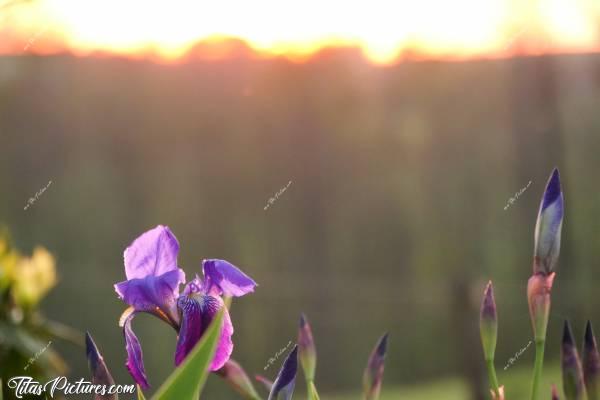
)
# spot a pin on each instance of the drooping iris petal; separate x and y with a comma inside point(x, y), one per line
point(153, 253)
point(150, 292)
point(548, 227)
point(197, 312)
point(135, 361)
point(283, 387)
point(226, 279)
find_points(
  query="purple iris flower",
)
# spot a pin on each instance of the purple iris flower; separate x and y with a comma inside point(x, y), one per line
point(152, 286)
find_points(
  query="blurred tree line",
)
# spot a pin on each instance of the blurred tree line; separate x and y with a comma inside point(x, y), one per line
point(394, 219)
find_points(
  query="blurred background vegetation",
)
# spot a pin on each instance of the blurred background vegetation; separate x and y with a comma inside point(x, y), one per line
point(395, 217)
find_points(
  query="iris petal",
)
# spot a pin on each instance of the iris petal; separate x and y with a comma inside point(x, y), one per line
point(197, 312)
point(153, 292)
point(152, 253)
point(191, 327)
point(227, 279)
point(135, 361)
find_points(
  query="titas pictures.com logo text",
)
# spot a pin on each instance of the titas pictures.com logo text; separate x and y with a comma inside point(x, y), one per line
point(24, 385)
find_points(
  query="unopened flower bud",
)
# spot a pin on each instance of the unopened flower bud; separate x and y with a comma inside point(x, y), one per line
point(571, 366)
point(488, 322)
point(591, 363)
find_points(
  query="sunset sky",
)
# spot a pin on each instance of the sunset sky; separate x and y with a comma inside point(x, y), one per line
point(382, 29)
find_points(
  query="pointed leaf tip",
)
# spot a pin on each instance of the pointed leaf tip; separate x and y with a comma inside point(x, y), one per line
point(567, 338)
point(98, 368)
point(590, 339)
point(591, 364)
point(302, 320)
point(187, 380)
point(373, 375)
point(572, 373)
point(382, 345)
point(307, 352)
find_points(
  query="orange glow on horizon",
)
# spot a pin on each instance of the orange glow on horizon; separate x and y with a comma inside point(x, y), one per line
point(383, 30)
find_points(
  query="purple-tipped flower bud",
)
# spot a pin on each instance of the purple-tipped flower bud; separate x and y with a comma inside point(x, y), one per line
point(236, 377)
point(554, 393)
point(548, 227)
point(373, 375)
point(100, 373)
point(591, 363)
point(571, 366)
point(539, 288)
point(488, 323)
point(283, 387)
point(306, 349)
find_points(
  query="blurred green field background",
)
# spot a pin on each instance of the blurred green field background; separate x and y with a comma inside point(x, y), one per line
point(456, 389)
point(395, 217)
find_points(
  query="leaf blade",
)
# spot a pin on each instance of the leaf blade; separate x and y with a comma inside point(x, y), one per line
point(184, 383)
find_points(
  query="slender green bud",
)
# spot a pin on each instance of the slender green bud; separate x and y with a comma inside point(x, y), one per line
point(373, 375)
point(591, 363)
point(307, 351)
point(488, 323)
point(571, 366)
point(236, 377)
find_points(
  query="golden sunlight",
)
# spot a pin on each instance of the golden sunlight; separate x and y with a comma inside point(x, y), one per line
point(382, 29)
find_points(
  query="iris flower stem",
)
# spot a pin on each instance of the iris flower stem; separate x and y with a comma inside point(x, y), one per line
point(540, 345)
point(309, 389)
point(492, 375)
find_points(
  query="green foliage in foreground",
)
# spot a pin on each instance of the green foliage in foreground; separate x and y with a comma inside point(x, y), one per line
point(187, 381)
